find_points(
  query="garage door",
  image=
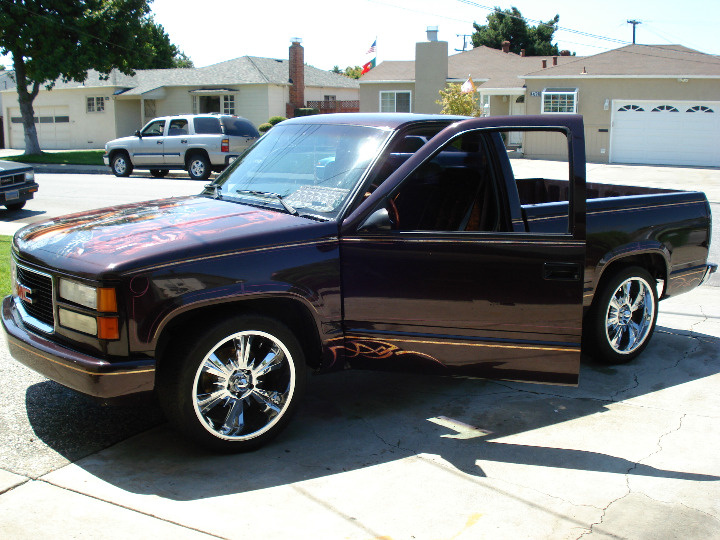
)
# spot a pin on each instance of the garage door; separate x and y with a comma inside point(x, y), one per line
point(666, 132)
point(52, 125)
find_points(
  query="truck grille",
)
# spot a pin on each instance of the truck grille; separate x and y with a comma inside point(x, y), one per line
point(38, 300)
point(12, 179)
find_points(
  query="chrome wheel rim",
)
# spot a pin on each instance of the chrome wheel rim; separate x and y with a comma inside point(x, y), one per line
point(630, 315)
point(244, 385)
point(120, 166)
point(197, 167)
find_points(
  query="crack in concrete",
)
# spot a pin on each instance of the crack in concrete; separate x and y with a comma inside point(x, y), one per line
point(627, 479)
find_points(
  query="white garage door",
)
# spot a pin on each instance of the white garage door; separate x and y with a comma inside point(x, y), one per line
point(52, 125)
point(666, 132)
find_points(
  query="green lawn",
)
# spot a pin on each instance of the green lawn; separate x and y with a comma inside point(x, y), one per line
point(74, 157)
point(5, 265)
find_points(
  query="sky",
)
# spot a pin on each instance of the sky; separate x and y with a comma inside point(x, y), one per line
point(340, 32)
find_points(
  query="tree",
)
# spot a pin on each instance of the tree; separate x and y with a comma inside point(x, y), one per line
point(352, 72)
point(51, 39)
point(455, 101)
point(509, 25)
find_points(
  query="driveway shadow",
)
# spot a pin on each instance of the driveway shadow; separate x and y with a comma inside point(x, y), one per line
point(352, 420)
point(18, 215)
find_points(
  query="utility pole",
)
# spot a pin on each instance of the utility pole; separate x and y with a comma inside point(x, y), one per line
point(634, 23)
point(464, 36)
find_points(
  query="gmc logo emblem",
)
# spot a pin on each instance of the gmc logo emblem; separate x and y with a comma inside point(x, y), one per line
point(24, 293)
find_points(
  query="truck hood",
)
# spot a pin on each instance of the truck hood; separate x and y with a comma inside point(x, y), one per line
point(11, 166)
point(111, 241)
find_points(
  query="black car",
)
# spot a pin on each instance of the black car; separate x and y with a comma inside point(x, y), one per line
point(17, 184)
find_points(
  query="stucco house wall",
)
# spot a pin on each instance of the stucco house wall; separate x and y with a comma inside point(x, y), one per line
point(592, 96)
point(370, 94)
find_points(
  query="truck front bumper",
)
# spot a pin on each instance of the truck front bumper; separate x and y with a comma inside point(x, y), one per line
point(87, 374)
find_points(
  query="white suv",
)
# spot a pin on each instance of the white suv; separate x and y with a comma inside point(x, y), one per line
point(197, 143)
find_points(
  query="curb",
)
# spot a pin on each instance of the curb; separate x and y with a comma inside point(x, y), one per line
point(62, 168)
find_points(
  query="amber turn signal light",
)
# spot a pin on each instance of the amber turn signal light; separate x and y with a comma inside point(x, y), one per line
point(106, 300)
point(108, 328)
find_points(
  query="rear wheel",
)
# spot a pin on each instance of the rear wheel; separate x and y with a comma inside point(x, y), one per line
point(237, 386)
point(121, 165)
point(13, 207)
point(624, 317)
point(199, 167)
point(158, 173)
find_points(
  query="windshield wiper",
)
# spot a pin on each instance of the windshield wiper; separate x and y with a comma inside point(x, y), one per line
point(289, 209)
point(215, 190)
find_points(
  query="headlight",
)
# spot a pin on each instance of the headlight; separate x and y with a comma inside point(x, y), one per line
point(30, 176)
point(78, 321)
point(100, 299)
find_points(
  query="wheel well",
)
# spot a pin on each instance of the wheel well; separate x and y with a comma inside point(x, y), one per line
point(292, 313)
point(114, 153)
point(195, 151)
point(652, 262)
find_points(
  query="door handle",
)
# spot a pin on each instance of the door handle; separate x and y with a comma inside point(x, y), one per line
point(183, 141)
point(562, 271)
point(159, 142)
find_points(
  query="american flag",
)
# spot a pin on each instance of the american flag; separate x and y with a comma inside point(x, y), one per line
point(372, 48)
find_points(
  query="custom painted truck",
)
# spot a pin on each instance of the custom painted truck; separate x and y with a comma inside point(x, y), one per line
point(390, 242)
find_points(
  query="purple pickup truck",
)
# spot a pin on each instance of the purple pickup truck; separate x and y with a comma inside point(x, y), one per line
point(389, 242)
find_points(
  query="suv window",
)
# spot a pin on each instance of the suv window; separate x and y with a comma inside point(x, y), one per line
point(179, 126)
point(239, 127)
point(206, 124)
point(154, 129)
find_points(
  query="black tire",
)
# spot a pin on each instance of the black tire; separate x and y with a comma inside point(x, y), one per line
point(198, 167)
point(158, 173)
point(623, 316)
point(14, 207)
point(226, 406)
point(121, 165)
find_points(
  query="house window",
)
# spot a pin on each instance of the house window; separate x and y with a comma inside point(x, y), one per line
point(95, 104)
point(228, 104)
point(560, 100)
point(330, 98)
point(394, 101)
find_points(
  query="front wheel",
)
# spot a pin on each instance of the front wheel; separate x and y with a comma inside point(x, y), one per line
point(237, 386)
point(199, 167)
point(624, 317)
point(121, 165)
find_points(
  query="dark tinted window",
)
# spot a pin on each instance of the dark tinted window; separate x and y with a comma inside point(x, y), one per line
point(239, 127)
point(207, 125)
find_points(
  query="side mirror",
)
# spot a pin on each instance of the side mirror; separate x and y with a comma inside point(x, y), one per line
point(378, 220)
point(138, 134)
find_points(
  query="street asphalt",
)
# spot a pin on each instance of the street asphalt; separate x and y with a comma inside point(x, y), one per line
point(629, 453)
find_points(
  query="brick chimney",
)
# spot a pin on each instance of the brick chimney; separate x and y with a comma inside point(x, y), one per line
point(544, 62)
point(297, 76)
point(522, 52)
point(506, 46)
point(554, 60)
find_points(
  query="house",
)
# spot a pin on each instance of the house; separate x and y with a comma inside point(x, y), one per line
point(88, 114)
point(7, 81)
point(641, 103)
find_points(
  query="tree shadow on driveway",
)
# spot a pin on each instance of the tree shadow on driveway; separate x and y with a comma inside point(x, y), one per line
point(354, 420)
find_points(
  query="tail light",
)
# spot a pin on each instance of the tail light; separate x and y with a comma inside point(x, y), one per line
point(225, 145)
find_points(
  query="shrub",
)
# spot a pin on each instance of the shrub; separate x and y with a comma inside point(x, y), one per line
point(262, 128)
point(276, 120)
point(306, 111)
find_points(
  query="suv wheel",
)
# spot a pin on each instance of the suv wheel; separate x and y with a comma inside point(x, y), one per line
point(121, 164)
point(199, 167)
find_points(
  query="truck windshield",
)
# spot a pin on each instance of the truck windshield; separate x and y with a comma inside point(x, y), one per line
point(313, 167)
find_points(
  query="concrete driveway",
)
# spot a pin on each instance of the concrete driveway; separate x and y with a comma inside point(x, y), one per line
point(630, 453)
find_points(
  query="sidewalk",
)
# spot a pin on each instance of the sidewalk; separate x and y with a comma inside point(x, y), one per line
point(630, 453)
